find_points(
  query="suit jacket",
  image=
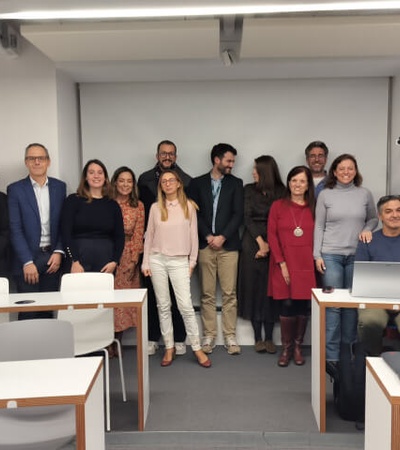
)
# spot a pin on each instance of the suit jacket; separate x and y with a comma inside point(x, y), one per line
point(148, 183)
point(230, 208)
point(4, 236)
point(25, 227)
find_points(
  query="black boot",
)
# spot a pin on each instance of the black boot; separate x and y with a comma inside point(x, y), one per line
point(301, 326)
point(287, 334)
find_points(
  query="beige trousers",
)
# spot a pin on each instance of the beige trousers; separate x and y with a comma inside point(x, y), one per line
point(221, 265)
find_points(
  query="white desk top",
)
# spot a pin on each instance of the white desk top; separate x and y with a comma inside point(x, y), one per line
point(387, 377)
point(343, 296)
point(65, 300)
point(44, 378)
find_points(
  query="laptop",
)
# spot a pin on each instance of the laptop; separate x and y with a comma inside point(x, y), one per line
point(376, 279)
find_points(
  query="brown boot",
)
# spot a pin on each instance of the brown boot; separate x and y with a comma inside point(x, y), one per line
point(287, 335)
point(301, 326)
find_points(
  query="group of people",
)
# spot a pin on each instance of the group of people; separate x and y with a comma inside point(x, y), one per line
point(267, 244)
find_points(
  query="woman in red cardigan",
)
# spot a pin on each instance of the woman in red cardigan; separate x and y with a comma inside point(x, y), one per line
point(291, 273)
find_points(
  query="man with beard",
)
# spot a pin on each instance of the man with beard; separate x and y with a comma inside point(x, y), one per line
point(219, 196)
point(147, 185)
point(316, 157)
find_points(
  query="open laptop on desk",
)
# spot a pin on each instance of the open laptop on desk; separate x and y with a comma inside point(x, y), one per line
point(376, 279)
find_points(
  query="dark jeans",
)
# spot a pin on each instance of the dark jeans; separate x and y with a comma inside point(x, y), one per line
point(47, 283)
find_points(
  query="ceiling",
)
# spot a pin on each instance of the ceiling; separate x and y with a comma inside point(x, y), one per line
point(295, 45)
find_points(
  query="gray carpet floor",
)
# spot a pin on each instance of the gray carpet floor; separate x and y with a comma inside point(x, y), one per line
point(242, 402)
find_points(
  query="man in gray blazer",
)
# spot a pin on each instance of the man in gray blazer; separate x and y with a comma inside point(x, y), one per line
point(219, 196)
point(35, 204)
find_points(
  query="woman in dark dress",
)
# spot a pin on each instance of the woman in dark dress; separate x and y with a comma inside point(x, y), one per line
point(92, 226)
point(253, 301)
point(291, 274)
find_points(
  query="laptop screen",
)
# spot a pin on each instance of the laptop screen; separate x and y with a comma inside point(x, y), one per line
point(376, 279)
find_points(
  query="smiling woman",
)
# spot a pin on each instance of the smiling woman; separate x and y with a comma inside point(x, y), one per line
point(291, 274)
point(92, 226)
point(345, 213)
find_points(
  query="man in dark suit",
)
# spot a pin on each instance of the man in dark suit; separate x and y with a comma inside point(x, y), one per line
point(147, 185)
point(35, 204)
point(219, 196)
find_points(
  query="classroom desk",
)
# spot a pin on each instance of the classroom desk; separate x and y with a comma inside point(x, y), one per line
point(46, 382)
point(133, 298)
point(382, 406)
point(340, 298)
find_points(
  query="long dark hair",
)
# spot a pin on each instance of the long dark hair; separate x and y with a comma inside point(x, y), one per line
point(134, 197)
point(270, 181)
point(331, 179)
point(83, 188)
point(309, 195)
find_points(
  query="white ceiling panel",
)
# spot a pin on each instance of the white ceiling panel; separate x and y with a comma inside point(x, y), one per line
point(317, 37)
point(126, 41)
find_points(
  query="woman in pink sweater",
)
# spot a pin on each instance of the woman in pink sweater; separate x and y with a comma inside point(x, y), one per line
point(170, 251)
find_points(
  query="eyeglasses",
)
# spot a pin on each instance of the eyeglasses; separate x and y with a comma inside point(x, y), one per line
point(169, 180)
point(165, 154)
point(36, 158)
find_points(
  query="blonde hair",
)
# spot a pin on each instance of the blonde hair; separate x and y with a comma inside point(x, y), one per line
point(181, 196)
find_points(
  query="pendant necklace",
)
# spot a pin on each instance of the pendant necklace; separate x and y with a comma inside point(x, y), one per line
point(298, 231)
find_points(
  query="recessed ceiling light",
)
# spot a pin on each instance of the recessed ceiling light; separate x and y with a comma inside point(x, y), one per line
point(216, 10)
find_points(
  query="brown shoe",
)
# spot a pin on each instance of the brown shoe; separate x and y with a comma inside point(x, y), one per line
point(260, 347)
point(270, 347)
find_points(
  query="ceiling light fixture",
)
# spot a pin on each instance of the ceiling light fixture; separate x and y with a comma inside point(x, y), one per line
point(217, 10)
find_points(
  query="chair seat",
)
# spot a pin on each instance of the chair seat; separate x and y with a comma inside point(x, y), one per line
point(49, 427)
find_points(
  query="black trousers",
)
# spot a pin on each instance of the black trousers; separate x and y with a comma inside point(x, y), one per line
point(48, 282)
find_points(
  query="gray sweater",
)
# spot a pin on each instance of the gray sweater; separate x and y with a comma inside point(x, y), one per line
point(341, 214)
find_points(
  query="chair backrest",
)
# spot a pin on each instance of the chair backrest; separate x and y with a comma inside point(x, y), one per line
point(36, 339)
point(36, 427)
point(93, 328)
point(4, 285)
point(87, 281)
point(4, 289)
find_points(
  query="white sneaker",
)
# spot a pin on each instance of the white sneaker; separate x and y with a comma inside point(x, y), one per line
point(152, 347)
point(180, 348)
point(232, 346)
point(208, 344)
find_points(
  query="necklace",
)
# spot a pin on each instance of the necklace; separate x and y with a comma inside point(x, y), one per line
point(298, 231)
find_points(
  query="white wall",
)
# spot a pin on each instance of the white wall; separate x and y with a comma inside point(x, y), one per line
point(68, 131)
point(395, 148)
point(123, 122)
point(28, 111)
point(37, 105)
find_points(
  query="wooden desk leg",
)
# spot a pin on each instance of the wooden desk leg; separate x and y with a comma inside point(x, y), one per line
point(90, 419)
point(142, 360)
point(322, 340)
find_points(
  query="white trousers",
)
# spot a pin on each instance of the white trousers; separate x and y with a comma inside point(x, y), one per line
point(176, 268)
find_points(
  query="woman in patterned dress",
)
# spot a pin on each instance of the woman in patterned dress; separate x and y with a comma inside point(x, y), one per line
point(128, 272)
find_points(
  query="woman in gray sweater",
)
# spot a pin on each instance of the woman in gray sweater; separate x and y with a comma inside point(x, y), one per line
point(345, 213)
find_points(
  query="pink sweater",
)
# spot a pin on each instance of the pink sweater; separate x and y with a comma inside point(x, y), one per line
point(176, 236)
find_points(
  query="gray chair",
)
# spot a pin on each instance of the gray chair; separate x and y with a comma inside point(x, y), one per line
point(41, 427)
